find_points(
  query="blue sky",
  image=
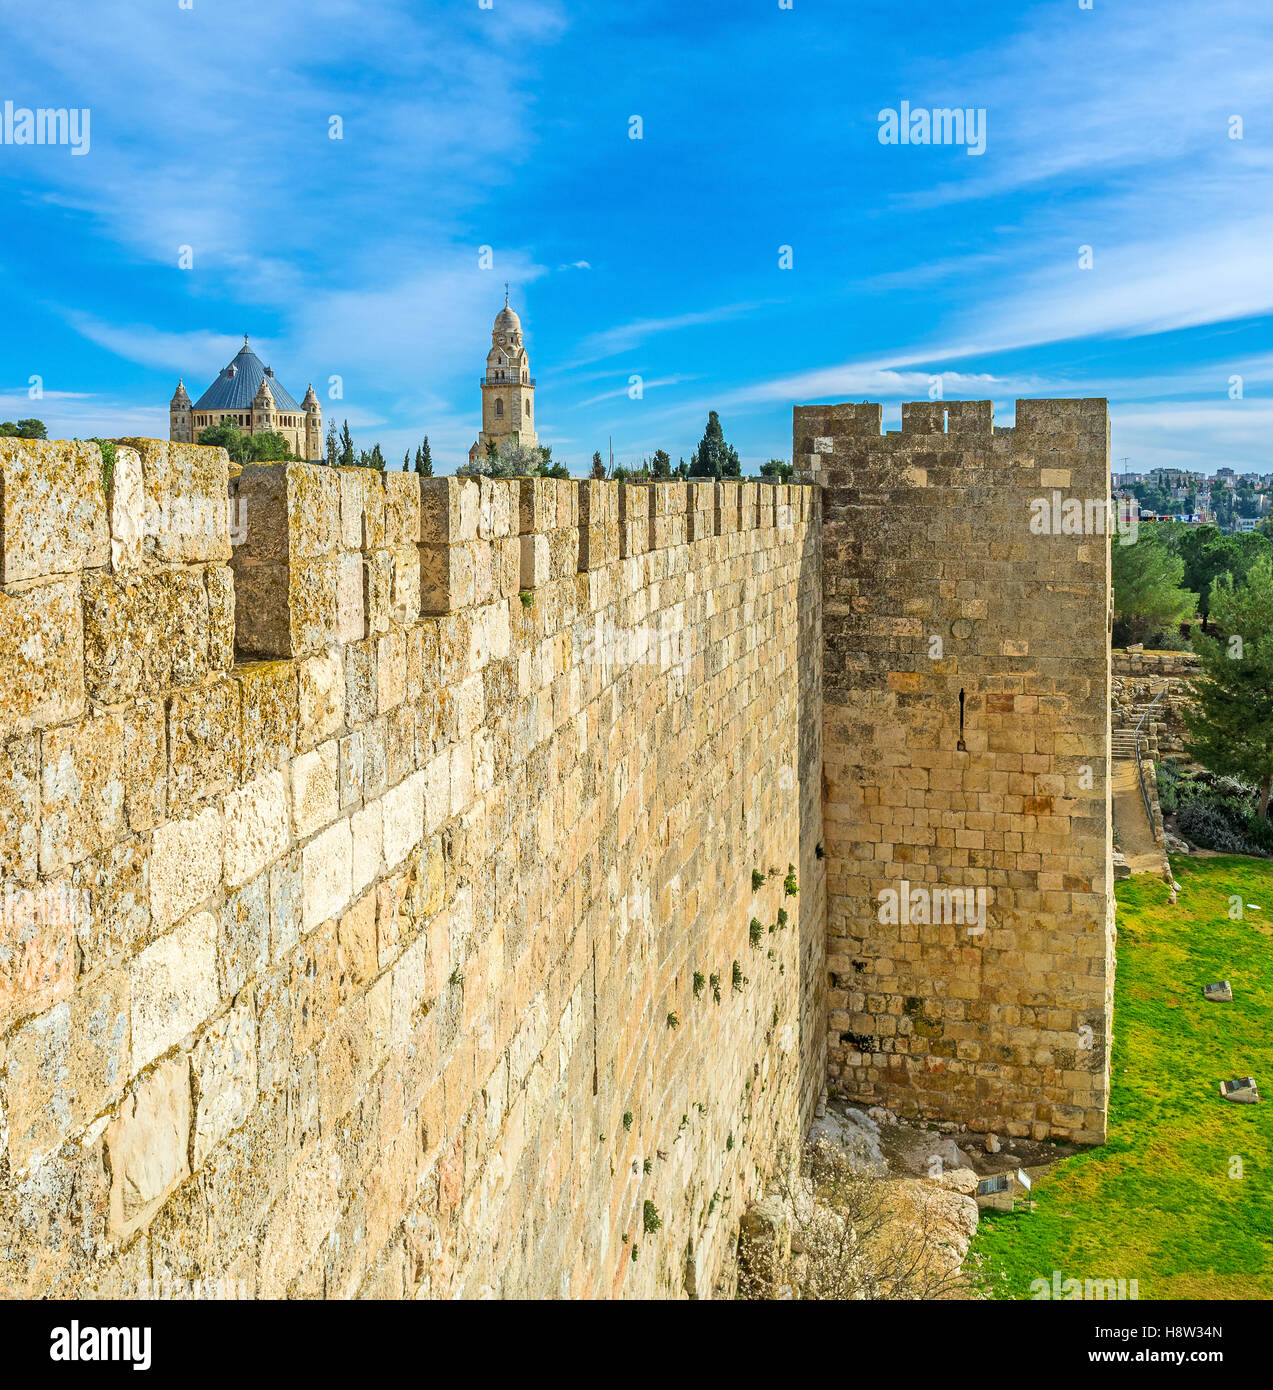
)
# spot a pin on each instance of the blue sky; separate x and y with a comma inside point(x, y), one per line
point(508, 127)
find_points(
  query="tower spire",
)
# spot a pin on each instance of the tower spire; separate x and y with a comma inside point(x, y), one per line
point(505, 294)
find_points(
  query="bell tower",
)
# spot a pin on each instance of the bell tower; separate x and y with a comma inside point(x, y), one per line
point(508, 389)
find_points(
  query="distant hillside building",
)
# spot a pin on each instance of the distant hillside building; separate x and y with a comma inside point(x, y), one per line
point(508, 389)
point(249, 395)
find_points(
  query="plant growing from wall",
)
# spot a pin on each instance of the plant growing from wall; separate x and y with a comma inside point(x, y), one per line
point(715, 983)
point(699, 981)
point(757, 880)
point(790, 887)
point(651, 1221)
point(755, 932)
point(736, 978)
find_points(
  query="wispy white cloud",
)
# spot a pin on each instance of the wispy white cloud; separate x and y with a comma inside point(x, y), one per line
point(610, 342)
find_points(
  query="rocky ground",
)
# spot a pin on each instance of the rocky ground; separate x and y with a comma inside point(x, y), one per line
point(929, 1177)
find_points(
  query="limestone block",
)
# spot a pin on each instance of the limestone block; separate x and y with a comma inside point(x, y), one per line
point(400, 744)
point(449, 510)
point(315, 794)
point(187, 489)
point(327, 875)
point(65, 1066)
point(19, 808)
point(378, 592)
point(351, 619)
point(271, 713)
point(127, 510)
point(117, 923)
point(37, 955)
point(312, 605)
point(447, 577)
point(286, 572)
point(403, 809)
point(360, 683)
point(174, 987)
point(634, 519)
point(144, 632)
point(404, 591)
point(186, 865)
point(219, 580)
point(82, 791)
point(391, 668)
point(148, 1144)
point(41, 655)
point(351, 507)
point(256, 832)
point(356, 946)
point(285, 905)
point(402, 508)
point(224, 1066)
point(145, 764)
point(498, 508)
point(437, 796)
point(367, 827)
point(350, 770)
point(534, 559)
point(322, 698)
point(204, 743)
point(52, 509)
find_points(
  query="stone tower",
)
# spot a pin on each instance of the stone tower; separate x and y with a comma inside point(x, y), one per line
point(313, 424)
point(508, 389)
point(179, 428)
point(263, 411)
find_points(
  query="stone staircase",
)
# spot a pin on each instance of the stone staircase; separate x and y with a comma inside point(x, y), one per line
point(1123, 743)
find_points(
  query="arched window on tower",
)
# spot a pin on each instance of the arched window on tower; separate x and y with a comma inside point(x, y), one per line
point(499, 410)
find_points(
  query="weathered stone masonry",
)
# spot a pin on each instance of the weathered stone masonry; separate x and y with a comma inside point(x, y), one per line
point(379, 897)
point(396, 900)
point(966, 742)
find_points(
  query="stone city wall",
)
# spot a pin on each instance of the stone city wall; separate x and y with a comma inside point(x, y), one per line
point(966, 737)
point(412, 887)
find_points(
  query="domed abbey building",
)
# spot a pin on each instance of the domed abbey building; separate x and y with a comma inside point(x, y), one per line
point(249, 395)
point(508, 389)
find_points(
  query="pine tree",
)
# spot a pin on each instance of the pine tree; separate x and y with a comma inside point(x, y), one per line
point(346, 447)
point(424, 459)
point(662, 464)
point(406, 461)
point(598, 468)
point(1149, 595)
point(333, 445)
point(1230, 719)
point(714, 458)
point(376, 459)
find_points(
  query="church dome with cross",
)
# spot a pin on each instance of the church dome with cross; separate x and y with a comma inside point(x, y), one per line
point(248, 395)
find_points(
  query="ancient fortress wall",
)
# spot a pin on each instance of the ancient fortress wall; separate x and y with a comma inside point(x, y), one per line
point(966, 736)
point(378, 861)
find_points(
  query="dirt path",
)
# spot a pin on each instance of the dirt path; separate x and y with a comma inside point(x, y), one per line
point(1135, 835)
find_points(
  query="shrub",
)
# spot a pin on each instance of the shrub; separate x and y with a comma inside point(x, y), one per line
point(1214, 825)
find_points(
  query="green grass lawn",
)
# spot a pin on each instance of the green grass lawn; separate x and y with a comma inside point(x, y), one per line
point(1157, 1203)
